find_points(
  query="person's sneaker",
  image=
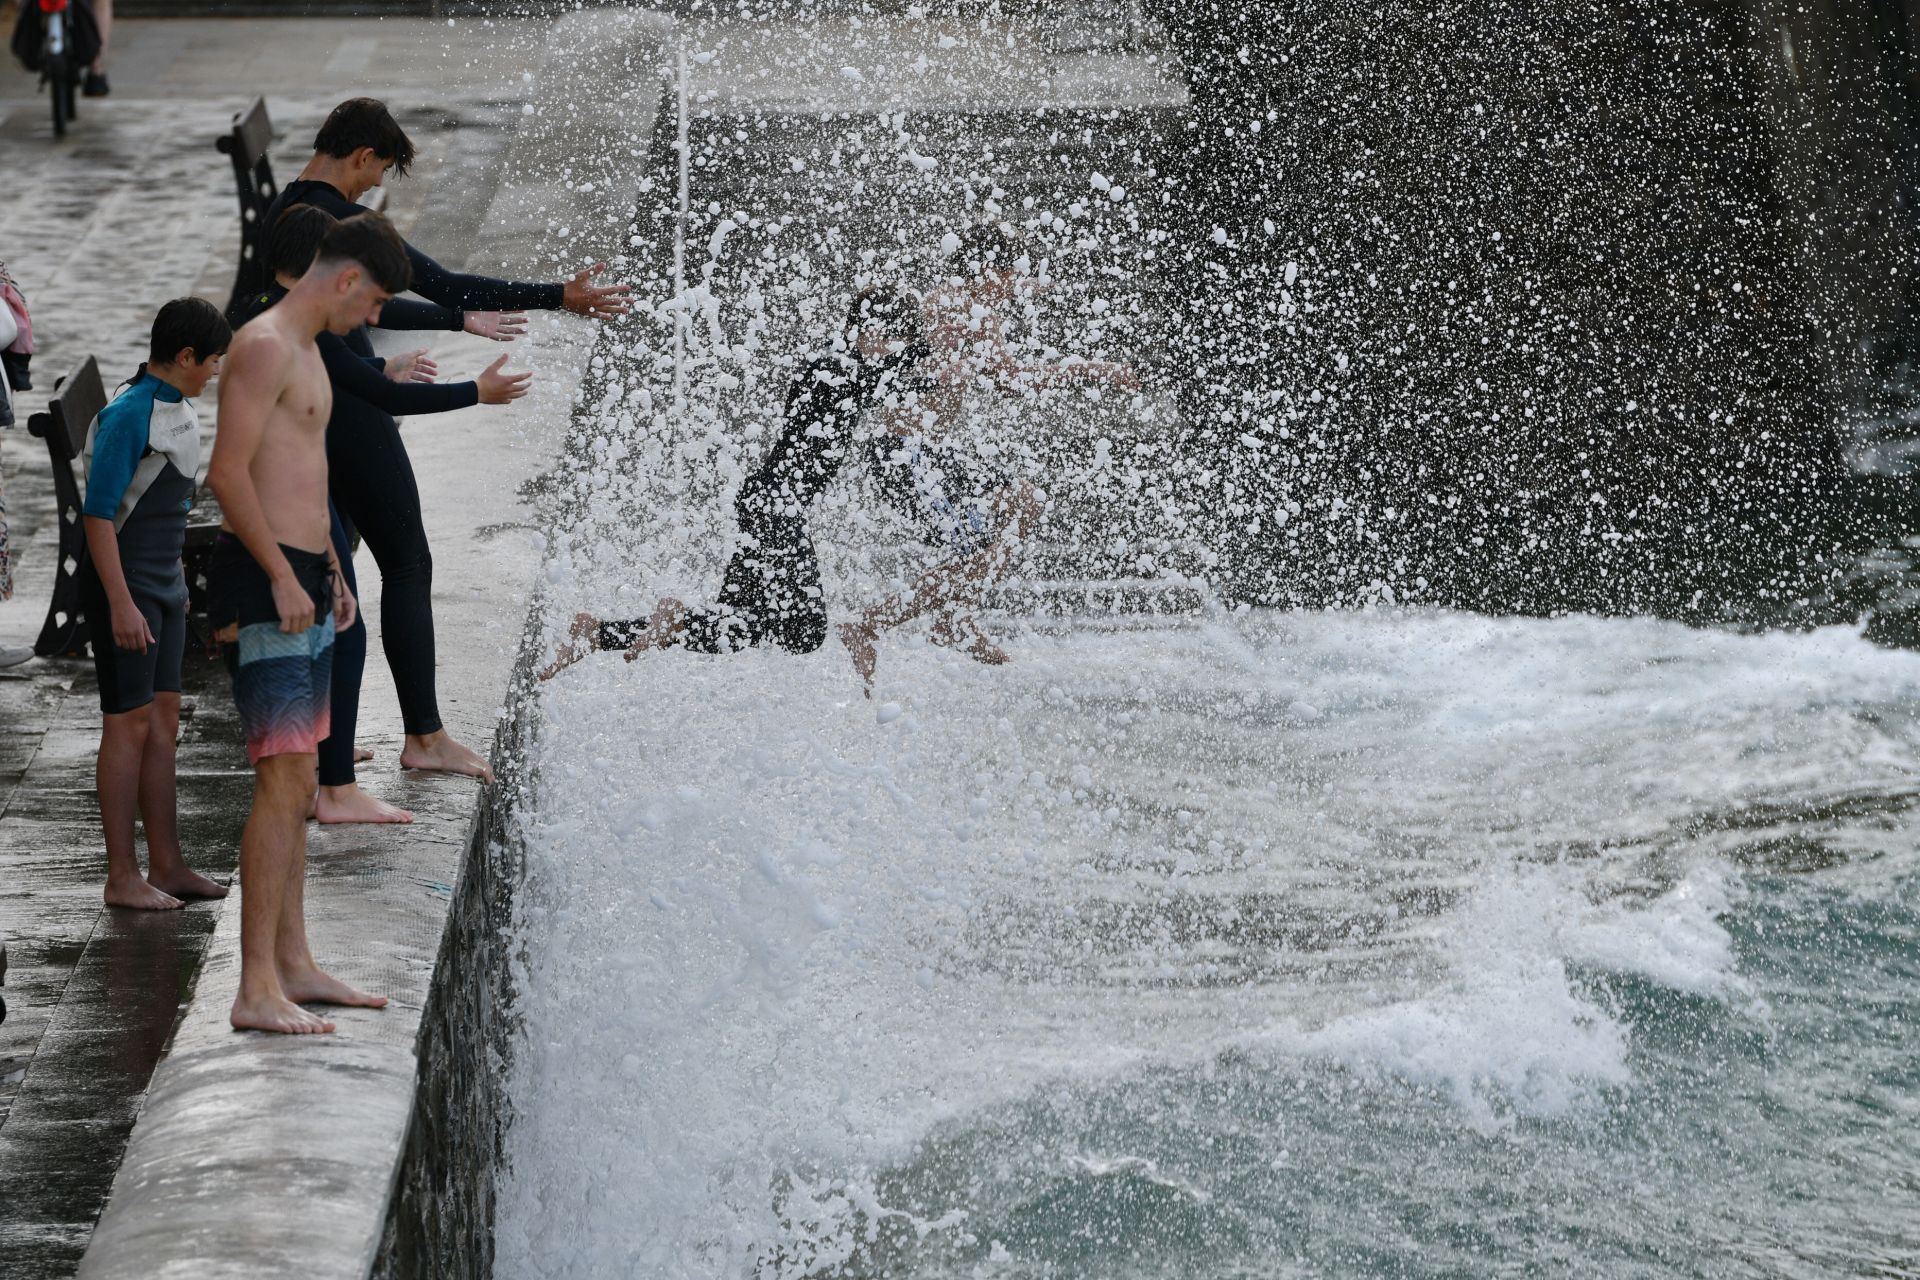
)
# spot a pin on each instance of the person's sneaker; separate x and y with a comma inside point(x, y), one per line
point(96, 85)
point(14, 655)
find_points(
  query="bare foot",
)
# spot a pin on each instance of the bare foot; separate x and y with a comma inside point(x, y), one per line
point(138, 894)
point(440, 752)
point(316, 987)
point(187, 883)
point(969, 639)
point(362, 754)
point(275, 1013)
point(579, 644)
point(351, 804)
point(858, 637)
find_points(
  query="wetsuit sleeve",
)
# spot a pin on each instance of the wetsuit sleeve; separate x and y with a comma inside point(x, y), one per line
point(356, 376)
point(406, 313)
point(478, 293)
point(118, 445)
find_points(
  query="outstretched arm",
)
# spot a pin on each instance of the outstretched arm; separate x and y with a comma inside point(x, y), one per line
point(408, 313)
point(479, 293)
point(355, 375)
point(482, 293)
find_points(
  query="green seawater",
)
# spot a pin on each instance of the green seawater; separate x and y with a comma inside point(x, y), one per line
point(1776, 1134)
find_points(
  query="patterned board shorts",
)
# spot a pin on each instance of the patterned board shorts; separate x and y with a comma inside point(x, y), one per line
point(283, 687)
point(282, 682)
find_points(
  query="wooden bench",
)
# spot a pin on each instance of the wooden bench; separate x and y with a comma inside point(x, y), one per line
point(246, 145)
point(78, 399)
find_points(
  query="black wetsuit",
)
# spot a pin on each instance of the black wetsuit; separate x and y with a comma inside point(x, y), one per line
point(771, 593)
point(371, 486)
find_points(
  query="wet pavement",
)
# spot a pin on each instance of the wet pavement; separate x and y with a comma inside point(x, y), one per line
point(133, 207)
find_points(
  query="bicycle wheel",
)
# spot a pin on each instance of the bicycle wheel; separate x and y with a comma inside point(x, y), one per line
point(60, 89)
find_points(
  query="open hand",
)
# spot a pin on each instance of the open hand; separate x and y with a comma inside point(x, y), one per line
point(599, 302)
point(501, 326)
point(414, 366)
point(499, 387)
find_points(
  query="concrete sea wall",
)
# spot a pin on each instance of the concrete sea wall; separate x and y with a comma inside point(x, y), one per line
point(440, 1216)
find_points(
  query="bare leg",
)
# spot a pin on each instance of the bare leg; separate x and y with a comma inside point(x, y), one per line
point(272, 865)
point(668, 623)
point(103, 18)
point(345, 804)
point(580, 643)
point(951, 592)
point(167, 868)
point(303, 980)
point(440, 751)
point(118, 779)
point(859, 638)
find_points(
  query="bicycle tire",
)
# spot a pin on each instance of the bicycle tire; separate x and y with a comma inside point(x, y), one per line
point(60, 89)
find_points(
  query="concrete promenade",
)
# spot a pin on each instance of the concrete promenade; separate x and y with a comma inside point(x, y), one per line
point(133, 207)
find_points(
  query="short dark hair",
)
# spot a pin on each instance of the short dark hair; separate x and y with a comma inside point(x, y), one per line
point(188, 323)
point(894, 311)
point(365, 122)
point(369, 240)
point(295, 240)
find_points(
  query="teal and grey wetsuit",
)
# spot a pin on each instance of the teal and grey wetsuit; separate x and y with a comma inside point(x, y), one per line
point(142, 455)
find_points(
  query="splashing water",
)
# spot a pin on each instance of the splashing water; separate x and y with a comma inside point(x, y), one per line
point(1202, 939)
point(1447, 934)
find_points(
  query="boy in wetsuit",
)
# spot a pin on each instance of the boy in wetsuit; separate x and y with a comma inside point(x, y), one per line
point(142, 461)
point(771, 593)
point(353, 151)
point(273, 574)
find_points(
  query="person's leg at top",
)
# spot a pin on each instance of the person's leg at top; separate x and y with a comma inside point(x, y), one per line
point(281, 688)
point(340, 799)
point(95, 85)
point(985, 533)
point(374, 487)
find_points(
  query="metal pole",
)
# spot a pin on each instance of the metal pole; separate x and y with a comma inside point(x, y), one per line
point(680, 248)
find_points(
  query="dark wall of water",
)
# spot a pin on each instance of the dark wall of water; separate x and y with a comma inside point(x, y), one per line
point(440, 1218)
point(1575, 293)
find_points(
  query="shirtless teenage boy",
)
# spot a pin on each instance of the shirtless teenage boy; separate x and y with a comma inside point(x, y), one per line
point(273, 574)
